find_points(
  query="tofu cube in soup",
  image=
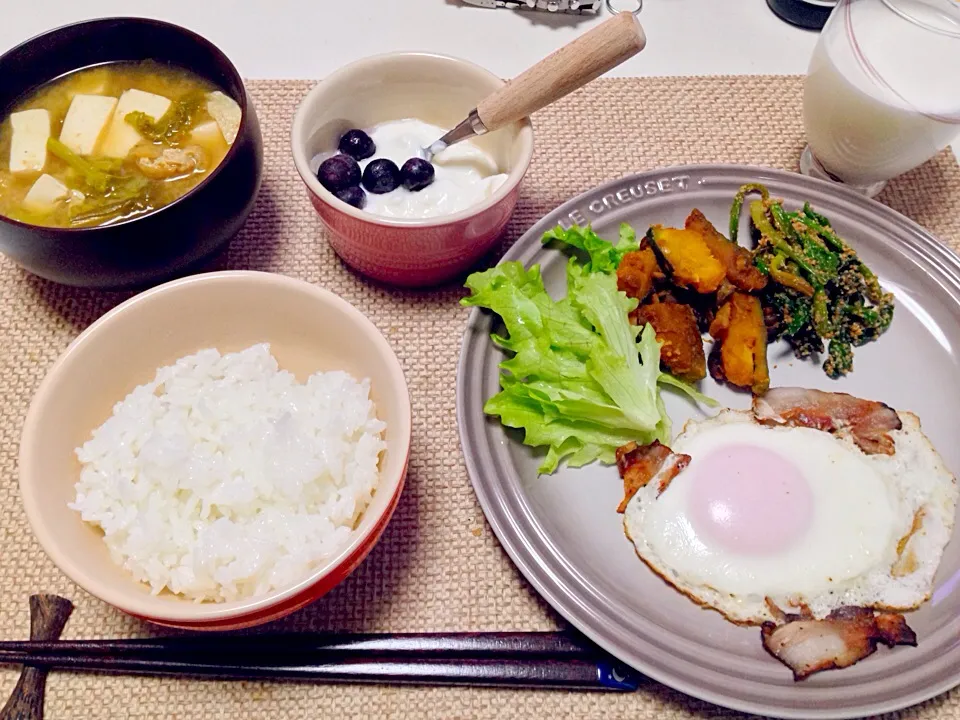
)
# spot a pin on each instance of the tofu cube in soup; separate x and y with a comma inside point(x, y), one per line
point(86, 121)
point(122, 136)
point(28, 146)
point(44, 194)
point(208, 136)
point(225, 110)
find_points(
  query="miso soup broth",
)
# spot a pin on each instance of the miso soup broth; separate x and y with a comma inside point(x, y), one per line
point(110, 143)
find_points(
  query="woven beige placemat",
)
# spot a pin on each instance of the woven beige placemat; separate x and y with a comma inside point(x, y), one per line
point(438, 566)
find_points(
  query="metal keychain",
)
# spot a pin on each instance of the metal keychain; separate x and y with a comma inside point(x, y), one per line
point(575, 7)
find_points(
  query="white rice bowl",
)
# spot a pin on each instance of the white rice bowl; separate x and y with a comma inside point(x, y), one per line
point(224, 478)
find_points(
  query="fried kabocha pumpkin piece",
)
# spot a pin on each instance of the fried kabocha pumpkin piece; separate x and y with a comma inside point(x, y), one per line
point(687, 259)
point(740, 353)
point(736, 259)
point(681, 350)
point(704, 306)
point(637, 272)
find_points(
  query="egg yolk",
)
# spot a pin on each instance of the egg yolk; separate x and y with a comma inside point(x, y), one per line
point(749, 500)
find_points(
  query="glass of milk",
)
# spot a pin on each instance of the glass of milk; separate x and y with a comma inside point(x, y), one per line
point(882, 93)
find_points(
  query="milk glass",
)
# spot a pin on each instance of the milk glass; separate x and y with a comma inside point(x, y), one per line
point(882, 93)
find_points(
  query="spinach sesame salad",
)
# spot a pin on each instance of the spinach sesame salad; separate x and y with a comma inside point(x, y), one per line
point(821, 295)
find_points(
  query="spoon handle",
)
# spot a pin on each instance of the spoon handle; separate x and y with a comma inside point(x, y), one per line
point(572, 66)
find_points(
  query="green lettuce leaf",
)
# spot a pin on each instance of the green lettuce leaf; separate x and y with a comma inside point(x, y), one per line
point(685, 388)
point(579, 379)
point(604, 256)
point(578, 382)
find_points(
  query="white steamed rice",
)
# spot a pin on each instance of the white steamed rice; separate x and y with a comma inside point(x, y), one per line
point(225, 478)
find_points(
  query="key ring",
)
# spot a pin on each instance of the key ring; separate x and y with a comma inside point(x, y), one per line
point(612, 7)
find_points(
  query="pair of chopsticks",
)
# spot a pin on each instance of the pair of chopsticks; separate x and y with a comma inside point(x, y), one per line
point(532, 660)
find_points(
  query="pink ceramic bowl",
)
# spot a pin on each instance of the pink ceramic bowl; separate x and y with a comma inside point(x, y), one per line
point(433, 88)
point(308, 328)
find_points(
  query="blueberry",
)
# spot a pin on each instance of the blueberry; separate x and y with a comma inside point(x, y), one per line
point(416, 174)
point(381, 176)
point(357, 144)
point(353, 196)
point(339, 173)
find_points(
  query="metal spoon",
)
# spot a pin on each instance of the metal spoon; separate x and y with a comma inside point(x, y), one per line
point(569, 68)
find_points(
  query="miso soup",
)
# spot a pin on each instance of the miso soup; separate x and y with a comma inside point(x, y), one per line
point(110, 143)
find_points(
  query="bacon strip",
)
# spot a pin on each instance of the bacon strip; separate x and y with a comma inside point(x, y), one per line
point(638, 465)
point(844, 637)
point(867, 421)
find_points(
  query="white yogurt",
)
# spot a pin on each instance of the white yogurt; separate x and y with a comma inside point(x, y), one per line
point(465, 174)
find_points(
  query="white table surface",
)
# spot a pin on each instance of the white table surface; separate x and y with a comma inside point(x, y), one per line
point(310, 38)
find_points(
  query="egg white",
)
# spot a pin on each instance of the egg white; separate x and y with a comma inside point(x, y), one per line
point(864, 506)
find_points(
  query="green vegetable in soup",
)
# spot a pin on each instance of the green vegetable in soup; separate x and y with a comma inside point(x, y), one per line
point(108, 192)
point(132, 198)
point(96, 173)
point(175, 124)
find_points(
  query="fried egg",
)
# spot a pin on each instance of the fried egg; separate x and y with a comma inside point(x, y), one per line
point(768, 519)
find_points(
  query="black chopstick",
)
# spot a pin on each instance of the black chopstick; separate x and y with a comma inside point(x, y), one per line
point(544, 660)
point(293, 646)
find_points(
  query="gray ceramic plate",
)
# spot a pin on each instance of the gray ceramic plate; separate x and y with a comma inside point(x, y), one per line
point(563, 531)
